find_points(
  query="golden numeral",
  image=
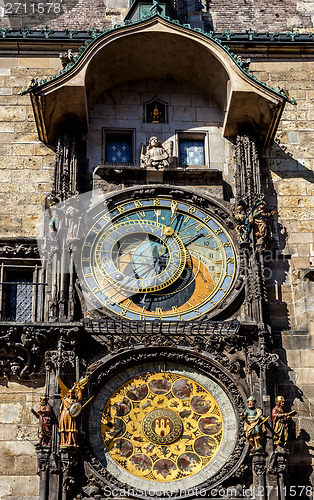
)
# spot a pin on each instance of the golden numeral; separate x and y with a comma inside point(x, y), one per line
point(202, 296)
point(186, 220)
point(128, 303)
point(230, 260)
point(218, 231)
point(191, 305)
point(198, 312)
point(226, 245)
point(174, 309)
point(141, 214)
point(121, 209)
point(156, 201)
point(123, 312)
point(89, 275)
point(159, 310)
point(142, 318)
point(95, 289)
point(211, 286)
point(207, 218)
point(199, 227)
point(191, 210)
point(208, 236)
point(137, 204)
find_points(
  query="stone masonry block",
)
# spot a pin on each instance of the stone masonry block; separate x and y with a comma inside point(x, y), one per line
point(19, 486)
point(10, 413)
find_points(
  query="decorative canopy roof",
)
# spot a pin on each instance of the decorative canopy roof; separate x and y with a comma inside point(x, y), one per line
point(156, 47)
point(140, 9)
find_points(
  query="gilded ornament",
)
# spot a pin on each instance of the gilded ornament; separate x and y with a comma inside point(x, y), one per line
point(162, 427)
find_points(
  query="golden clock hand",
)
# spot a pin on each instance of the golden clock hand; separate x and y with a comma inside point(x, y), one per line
point(173, 206)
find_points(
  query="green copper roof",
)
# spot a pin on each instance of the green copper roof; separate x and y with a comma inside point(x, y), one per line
point(37, 83)
point(140, 9)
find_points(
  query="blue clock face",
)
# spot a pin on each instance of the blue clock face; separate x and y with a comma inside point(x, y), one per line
point(157, 258)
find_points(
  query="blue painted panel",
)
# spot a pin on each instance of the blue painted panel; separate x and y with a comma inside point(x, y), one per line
point(191, 152)
point(119, 149)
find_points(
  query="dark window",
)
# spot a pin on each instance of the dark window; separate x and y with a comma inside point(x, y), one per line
point(191, 152)
point(118, 148)
point(18, 296)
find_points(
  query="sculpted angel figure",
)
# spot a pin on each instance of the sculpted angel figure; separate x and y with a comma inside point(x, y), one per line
point(70, 409)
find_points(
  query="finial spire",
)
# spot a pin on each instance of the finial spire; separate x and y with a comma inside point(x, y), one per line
point(156, 9)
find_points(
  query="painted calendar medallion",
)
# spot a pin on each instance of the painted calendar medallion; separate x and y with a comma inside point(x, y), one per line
point(162, 426)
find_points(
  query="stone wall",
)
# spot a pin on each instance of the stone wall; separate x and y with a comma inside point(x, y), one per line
point(288, 169)
point(18, 434)
point(26, 164)
point(26, 173)
point(187, 109)
point(276, 15)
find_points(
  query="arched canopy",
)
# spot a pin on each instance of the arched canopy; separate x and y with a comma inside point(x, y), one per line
point(157, 48)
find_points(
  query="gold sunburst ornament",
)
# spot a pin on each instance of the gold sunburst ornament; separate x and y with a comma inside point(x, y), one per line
point(162, 426)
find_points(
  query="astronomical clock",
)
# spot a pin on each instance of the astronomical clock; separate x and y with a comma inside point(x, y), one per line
point(167, 420)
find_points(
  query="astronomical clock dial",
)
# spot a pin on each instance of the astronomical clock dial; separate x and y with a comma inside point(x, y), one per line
point(157, 258)
point(162, 427)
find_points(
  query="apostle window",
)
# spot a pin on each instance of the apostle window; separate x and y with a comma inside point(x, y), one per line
point(192, 150)
point(118, 147)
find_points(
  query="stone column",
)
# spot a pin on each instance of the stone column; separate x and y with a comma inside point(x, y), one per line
point(43, 456)
point(69, 461)
point(259, 474)
point(277, 468)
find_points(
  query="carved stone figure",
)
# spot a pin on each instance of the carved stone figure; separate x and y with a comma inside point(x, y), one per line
point(254, 424)
point(280, 423)
point(243, 224)
point(261, 218)
point(45, 417)
point(156, 156)
point(69, 411)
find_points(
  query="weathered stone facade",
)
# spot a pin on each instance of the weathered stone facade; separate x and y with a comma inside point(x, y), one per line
point(27, 176)
point(215, 15)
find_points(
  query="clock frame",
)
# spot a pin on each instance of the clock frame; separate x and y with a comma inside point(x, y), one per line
point(157, 256)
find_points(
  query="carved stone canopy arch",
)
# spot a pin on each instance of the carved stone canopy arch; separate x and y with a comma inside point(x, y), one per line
point(157, 48)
